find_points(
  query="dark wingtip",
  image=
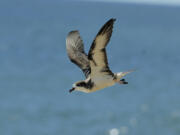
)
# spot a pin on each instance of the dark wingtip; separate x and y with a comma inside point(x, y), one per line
point(72, 32)
point(112, 20)
point(107, 27)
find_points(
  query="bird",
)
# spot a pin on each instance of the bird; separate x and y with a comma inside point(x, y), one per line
point(94, 65)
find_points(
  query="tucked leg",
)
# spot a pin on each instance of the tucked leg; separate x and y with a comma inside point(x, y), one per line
point(122, 81)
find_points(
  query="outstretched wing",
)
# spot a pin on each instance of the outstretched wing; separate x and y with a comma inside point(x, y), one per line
point(75, 51)
point(97, 53)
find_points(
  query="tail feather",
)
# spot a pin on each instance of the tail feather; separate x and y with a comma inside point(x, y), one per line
point(122, 74)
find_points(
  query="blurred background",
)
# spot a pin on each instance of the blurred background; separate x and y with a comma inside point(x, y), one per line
point(36, 74)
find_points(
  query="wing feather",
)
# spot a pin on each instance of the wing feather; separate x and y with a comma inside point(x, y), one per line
point(76, 53)
point(97, 53)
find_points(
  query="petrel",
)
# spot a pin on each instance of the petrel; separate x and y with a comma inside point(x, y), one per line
point(94, 64)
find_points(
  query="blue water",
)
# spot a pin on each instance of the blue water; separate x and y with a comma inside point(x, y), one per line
point(36, 74)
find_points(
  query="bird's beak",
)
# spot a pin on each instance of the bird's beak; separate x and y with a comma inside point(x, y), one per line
point(71, 90)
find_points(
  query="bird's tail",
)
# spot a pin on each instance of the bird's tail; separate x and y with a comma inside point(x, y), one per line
point(119, 75)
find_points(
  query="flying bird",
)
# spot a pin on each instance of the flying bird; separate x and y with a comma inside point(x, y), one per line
point(94, 64)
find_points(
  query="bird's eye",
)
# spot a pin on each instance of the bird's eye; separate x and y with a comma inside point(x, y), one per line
point(81, 84)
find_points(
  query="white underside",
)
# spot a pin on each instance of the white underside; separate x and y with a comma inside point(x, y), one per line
point(100, 82)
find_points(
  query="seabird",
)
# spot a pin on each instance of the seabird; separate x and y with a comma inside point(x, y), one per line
point(94, 64)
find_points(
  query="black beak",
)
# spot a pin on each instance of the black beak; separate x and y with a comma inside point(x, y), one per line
point(71, 90)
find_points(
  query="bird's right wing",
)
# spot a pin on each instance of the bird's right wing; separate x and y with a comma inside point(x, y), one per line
point(97, 53)
point(75, 51)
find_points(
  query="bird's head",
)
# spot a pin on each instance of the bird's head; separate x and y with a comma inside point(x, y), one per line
point(80, 86)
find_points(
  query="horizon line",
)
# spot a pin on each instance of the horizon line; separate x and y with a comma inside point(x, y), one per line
point(147, 2)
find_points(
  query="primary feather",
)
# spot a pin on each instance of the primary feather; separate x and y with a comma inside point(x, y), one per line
point(97, 54)
point(76, 53)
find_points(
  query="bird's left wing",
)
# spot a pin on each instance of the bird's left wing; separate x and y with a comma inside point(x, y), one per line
point(97, 53)
point(75, 51)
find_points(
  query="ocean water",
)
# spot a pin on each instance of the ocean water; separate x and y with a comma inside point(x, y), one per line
point(36, 74)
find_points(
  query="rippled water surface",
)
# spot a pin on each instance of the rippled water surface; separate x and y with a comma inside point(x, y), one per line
point(36, 74)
